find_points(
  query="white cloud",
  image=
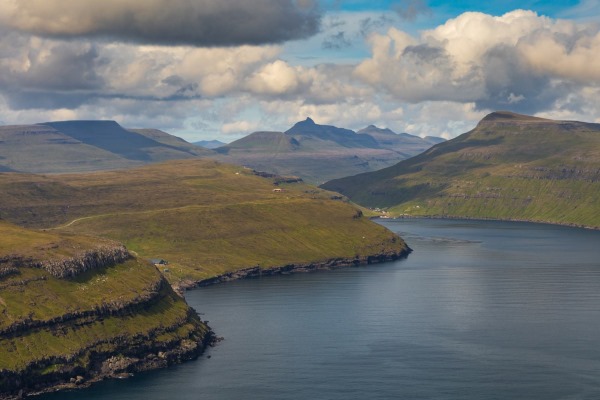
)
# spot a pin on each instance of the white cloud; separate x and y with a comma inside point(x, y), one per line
point(239, 127)
point(571, 54)
point(274, 78)
point(437, 82)
point(518, 59)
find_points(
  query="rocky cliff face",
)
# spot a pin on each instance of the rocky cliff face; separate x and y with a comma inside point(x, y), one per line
point(102, 257)
point(69, 322)
point(99, 258)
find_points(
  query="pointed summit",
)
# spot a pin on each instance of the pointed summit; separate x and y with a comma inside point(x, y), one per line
point(307, 125)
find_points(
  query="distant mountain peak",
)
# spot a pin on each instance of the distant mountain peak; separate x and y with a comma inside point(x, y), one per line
point(375, 129)
point(307, 123)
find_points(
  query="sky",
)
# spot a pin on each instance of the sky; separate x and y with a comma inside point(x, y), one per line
point(221, 69)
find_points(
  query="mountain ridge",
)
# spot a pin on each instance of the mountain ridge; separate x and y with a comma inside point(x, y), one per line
point(314, 152)
point(509, 166)
point(317, 153)
point(86, 145)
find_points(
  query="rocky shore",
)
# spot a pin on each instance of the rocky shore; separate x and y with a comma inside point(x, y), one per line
point(330, 264)
point(125, 358)
point(131, 327)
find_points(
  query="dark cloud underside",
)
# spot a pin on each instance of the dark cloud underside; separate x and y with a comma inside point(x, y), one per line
point(176, 22)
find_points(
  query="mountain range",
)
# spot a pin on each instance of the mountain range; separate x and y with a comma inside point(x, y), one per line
point(510, 166)
point(310, 151)
point(80, 146)
point(318, 153)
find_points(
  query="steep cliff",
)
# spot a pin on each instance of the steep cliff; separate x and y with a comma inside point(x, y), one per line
point(84, 312)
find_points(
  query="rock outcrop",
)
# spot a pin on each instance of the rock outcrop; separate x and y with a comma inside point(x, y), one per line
point(98, 258)
point(101, 257)
point(61, 329)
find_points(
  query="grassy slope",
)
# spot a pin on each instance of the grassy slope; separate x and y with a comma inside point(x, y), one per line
point(66, 344)
point(204, 217)
point(508, 167)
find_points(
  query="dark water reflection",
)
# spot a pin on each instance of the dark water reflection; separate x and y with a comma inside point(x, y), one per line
point(480, 310)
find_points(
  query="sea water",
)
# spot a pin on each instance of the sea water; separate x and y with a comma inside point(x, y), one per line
point(480, 310)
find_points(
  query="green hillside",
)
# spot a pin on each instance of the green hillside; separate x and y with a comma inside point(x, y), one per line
point(77, 306)
point(75, 309)
point(203, 217)
point(510, 166)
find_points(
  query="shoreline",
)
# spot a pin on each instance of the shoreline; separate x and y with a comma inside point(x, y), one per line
point(128, 367)
point(326, 265)
point(570, 225)
point(125, 368)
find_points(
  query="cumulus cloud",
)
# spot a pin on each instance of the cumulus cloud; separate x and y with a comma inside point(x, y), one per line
point(197, 23)
point(239, 127)
point(35, 73)
point(519, 60)
point(437, 82)
point(274, 78)
point(48, 73)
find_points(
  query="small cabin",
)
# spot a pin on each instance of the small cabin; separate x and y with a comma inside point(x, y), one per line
point(158, 261)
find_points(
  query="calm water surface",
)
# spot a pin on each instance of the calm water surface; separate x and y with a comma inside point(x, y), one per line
point(480, 310)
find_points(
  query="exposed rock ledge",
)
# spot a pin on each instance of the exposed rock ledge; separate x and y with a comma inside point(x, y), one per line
point(116, 357)
point(105, 256)
point(98, 258)
point(257, 271)
point(140, 357)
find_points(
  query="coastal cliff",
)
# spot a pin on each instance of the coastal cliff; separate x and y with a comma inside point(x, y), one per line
point(81, 315)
